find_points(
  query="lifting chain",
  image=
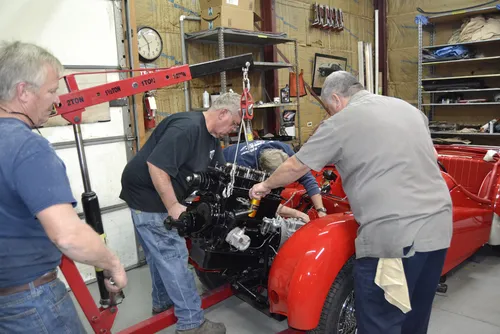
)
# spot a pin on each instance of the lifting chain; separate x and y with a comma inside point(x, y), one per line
point(246, 105)
point(246, 97)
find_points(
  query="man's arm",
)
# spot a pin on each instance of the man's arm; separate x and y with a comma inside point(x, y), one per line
point(289, 171)
point(40, 180)
point(286, 212)
point(79, 242)
point(426, 123)
point(169, 155)
point(163, 185)
point(318, 203)
point(321, 149)
point(219, 157)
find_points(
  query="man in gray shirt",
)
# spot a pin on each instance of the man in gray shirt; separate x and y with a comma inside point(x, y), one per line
point(383, 151)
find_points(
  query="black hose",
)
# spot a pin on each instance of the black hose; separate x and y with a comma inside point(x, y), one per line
point(420, 10)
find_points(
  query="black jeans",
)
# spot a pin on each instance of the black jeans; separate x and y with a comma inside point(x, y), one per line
point(375, 315)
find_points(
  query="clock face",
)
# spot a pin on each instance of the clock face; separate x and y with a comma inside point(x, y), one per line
point(150, 44)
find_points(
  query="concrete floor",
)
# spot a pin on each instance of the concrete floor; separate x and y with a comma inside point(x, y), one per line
point(471, 304)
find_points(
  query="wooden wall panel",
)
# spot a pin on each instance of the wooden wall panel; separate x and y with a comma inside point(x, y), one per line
point(293, 17)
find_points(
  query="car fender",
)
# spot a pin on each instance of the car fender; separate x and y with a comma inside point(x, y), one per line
point(494, 237)
point(306, 267)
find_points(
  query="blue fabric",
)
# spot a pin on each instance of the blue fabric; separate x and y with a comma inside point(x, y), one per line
point(46, 309)
point(375, 315)
point(32, 178)
point(249, 157)
point(167, 256)
point(421, 19)
point(452, 51)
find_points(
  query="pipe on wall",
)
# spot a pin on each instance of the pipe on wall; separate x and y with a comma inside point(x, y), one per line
point(383, 60)
point(377, 52)
point(131, 60)
point(182, 18)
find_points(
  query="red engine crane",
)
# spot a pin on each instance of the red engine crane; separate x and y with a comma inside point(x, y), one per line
point(72, 106)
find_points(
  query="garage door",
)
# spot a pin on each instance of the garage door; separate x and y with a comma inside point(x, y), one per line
point(87, 37)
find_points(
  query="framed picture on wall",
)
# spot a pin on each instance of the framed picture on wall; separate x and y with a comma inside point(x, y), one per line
point(324, 65)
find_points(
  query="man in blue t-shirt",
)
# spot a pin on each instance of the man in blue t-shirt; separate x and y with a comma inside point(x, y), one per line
point(267, 155)
point(37, 218)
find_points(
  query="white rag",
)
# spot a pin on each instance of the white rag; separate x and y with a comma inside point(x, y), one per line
point(391, 278)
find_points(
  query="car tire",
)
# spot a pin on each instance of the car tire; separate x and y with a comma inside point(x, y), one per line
point(210, 280)
point(339, 305)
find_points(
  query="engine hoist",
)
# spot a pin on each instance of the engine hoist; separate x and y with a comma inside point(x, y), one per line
point(71, 107)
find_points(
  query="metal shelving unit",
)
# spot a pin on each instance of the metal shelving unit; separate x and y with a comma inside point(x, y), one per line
point(431, 24)
point(223, 37)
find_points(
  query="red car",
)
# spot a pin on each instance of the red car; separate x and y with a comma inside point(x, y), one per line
point(303, 272)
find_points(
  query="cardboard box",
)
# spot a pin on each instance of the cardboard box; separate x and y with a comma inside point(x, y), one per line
point(242, 4)
point(227, 17)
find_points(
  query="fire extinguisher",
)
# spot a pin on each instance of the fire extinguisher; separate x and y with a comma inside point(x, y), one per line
point(150, 110)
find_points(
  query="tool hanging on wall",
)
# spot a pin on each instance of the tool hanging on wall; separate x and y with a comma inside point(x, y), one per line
point(328, 18)
point(149, 110)
point(316, 19)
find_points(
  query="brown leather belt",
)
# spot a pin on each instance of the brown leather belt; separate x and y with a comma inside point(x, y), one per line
point(44, 279)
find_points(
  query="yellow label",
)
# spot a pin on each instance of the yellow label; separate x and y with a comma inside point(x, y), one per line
point(103, 237)
point(262, 36)
point(459, 12)
point(250, 136)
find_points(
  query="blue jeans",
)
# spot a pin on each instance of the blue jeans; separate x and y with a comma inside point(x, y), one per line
point(46, 309)
point(167, 256)
point(375, 315)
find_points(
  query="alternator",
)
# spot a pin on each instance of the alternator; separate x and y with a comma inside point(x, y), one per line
point(238, 239)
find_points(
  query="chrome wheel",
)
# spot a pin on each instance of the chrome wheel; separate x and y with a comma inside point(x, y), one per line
point(347, 316)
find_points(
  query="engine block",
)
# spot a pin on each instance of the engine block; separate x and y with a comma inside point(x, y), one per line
point(219, 219)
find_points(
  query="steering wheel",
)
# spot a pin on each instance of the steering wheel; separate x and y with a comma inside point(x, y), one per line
point(441, 166)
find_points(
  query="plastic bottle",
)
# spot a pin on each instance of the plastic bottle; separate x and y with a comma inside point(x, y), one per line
point(206, 99)
point(285, 94)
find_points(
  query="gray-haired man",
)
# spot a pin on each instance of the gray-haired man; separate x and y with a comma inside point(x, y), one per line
point(37, 218)
point(154, 186)
point(383, 151)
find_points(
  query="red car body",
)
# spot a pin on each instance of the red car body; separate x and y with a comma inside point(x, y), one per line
point(306, 266)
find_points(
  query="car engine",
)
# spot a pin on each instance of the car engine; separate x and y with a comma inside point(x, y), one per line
point(231, 235)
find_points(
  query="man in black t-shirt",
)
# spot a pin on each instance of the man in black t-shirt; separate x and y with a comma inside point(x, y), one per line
point(154, 186)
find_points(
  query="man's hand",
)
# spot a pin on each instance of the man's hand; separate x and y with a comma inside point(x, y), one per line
point(304, 217)
point(321, 214)
point(259, 190)
point(119, 279)
point(176, 210)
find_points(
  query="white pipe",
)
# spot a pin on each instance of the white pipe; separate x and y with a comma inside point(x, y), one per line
point(361, 64)
point(376, 52)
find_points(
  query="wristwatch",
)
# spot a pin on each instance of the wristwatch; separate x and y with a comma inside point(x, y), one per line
point(321, 210)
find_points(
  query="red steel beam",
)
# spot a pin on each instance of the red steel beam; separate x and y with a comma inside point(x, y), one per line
point(74, 103)
point(100, 319)
point(167, 318)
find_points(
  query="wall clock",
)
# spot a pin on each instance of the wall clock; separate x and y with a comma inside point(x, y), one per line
point(150, 44)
